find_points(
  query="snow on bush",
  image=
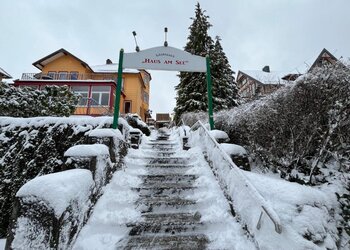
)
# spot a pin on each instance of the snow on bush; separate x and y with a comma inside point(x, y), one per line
point(301, 132)
point(26, 102)
point(304, 213)
point(31, 147)
point(233, 149)
point(135, 122)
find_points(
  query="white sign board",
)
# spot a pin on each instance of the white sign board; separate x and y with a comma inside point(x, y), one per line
point(165, 58)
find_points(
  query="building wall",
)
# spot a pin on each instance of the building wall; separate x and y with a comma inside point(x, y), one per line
point(66, 63)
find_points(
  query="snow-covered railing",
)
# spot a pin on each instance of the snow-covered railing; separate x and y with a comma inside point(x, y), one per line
point(234, 179)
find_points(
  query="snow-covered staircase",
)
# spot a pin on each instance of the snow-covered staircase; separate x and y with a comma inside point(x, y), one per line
point(170, 219)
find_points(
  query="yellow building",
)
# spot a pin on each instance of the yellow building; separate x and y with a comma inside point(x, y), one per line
point(95, 84)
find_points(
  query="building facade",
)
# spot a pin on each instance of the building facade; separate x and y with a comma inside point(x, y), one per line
point(96, 85)
point(254, 84)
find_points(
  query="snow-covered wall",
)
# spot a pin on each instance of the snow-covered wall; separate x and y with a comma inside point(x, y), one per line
point(31, 147)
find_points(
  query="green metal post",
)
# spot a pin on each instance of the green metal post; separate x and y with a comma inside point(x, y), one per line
point(210, 97)
point(118, 90)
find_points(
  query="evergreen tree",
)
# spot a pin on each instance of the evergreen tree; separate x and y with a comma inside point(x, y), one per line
point(192, 89)
point(225, 91)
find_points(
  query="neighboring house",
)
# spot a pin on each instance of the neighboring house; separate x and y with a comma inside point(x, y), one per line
point(325, 57)
point(258, 83)
point(4, 75)
point(95, 84)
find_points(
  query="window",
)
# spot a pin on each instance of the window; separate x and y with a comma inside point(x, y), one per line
point(74, 75)
point(145, 97)
point(62, 75)
point(52, 75)
point(100, 95)
point(83, 91)
point(127, 107)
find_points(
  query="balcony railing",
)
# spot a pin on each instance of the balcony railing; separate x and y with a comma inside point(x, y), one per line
point(89, 106)
point(69, 76)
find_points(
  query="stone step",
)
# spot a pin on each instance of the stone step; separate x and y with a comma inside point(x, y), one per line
point(167, 169)
point(165, 201)
point(166, 192)
point(194, 241)
point(168, 165)
point(145, 228)
point(167, 160)
point(168, 178)
point(162, 186)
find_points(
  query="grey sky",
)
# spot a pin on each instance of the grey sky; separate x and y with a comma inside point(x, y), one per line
point(285, 34)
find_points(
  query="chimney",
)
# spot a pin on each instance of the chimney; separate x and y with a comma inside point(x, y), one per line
point(109, 61)
point(266, 69)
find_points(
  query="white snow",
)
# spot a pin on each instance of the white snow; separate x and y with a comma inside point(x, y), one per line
point(60, 188)
point(111, 68)
point(2, 244)
point(135, 130)
point(233, 149)
point(105, 132)
point(273, 77)
point(87, 150)
point(219, 134)
point(116, 208)
point(299, 209)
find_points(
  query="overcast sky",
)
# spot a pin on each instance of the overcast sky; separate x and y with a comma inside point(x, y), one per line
point(284, 34)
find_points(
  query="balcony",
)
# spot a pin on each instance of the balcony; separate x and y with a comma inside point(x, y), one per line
point(68, 76)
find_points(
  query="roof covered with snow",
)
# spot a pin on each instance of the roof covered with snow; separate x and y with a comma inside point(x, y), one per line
point(111, 68)
point(273, 77)
point(4, 74)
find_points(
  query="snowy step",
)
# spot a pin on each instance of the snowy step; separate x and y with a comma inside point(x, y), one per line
point(155, 169)
point(161, 186)
point(195, 241)
point(168, 192)
point(169, 178)
point(145, 228)
point(168, 160)
point(165, 201)
point(168, 165)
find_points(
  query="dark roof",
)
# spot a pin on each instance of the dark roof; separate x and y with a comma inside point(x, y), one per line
point(4, 74)
point(321, 57)
point(45, 60)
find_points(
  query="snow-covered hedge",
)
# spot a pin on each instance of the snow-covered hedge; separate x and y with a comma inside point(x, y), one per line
point(304, 214)
point(26, 102)
point(52, 209)
point(137, 123)
point(31, 147)
point(301, 131)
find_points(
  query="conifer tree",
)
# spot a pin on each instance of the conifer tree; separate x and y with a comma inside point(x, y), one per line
point(225, 91)
point(192, 89)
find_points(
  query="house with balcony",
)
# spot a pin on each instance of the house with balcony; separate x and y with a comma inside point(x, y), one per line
point(96, 85)
point(4, 75)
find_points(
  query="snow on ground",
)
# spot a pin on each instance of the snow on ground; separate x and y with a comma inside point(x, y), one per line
point(223, 230)
point(2, 244)
point(115, 208)
point(305, 212)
